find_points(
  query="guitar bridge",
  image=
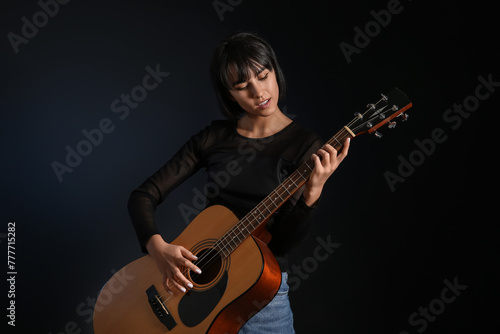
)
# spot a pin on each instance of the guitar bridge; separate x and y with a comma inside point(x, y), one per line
point(159, 308)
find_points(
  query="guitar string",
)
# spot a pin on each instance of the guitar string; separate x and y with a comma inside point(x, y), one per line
point(294, 178)
point(223, 248)
point(232, 230)
point(238, 229)
point(220, 240)
point(364, 123)
point(342, 133)
point(238, 232)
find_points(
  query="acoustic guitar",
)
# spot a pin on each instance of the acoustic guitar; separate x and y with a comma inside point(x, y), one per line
point(239, 273)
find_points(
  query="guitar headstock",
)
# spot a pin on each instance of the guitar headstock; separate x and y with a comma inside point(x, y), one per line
point(390, 106)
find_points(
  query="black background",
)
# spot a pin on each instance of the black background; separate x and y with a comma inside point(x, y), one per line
point(396, 247)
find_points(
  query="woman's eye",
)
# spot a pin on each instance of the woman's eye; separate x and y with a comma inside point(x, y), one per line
point(264, 77)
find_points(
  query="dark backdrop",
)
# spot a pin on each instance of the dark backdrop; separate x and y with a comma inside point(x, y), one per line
point(394, 251)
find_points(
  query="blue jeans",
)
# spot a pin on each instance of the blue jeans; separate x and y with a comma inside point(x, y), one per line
point(276, 317)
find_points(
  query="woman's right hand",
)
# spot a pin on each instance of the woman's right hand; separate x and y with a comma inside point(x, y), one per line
point(169, 258)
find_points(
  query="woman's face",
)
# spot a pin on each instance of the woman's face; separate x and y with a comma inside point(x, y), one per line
point(259, 95)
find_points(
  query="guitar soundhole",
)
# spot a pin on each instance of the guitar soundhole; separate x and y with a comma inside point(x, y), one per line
point(210, 263)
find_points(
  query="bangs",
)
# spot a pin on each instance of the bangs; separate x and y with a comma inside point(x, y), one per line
point(234, 61)
point(239, 68)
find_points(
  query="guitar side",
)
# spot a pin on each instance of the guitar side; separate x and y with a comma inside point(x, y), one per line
point(238, 287)
point(234, 285)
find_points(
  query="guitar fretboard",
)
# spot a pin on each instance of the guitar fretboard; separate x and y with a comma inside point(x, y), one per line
point(269, 205)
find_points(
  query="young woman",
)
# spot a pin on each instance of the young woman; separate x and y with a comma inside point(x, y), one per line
point(262, 146)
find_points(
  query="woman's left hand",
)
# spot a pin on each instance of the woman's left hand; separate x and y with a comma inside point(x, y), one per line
point(323, 169)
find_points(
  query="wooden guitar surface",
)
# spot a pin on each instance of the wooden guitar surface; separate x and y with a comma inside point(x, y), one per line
point(240, 274)
point(245, 280)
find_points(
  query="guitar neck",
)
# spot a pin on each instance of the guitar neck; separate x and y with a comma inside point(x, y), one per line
point(269, 205)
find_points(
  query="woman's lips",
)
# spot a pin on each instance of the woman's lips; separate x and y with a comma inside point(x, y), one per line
point(264, 104)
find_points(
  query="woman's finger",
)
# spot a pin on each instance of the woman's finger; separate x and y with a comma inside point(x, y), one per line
point(188, 262)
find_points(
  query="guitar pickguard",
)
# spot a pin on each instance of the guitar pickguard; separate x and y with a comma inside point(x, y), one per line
point(195, 306)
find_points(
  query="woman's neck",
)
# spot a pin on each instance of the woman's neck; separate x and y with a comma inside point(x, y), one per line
point(252, 126)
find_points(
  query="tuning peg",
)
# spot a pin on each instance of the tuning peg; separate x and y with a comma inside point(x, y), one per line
point(384, 97)
point(377, 134)
point(358, 115)
point(392, 125)
point(404, 117)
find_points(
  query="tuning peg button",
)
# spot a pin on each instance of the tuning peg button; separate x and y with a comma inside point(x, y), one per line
point(404, 117)
point(377, 134)
point(392, 125)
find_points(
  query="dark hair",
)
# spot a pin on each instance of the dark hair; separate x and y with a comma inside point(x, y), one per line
point(246, 52)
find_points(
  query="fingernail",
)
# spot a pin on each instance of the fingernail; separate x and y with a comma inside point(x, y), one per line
point(190, 285)
point(198, 271)
point(183, 289)
point(195, 257)
point(171, 292)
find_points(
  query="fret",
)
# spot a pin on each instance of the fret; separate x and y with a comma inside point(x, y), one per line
point(229, 240)
point(222, 252)
point(250, 221)
point(289, 193)
point(234, 234)
point(222, 249)
point(337, 141)
point(263, 203)
point(276, 197)
point(246, 222)
point(245, 227)
point(302, 176)
point(236, 241)
point(258, 216)
point(238, 233)
point(233, 238)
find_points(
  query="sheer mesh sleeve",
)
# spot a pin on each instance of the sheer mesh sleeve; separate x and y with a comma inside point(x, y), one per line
point(292, 224)
point(144, 200)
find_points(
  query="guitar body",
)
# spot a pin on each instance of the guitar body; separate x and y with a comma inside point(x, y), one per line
point(230, 290)
point(239, 273)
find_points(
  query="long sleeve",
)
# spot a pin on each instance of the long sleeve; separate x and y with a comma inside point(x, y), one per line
point(292, 224)
point(240, 173)
point(144, 200)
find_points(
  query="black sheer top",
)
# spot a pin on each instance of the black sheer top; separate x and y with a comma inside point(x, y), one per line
point(240, 173)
